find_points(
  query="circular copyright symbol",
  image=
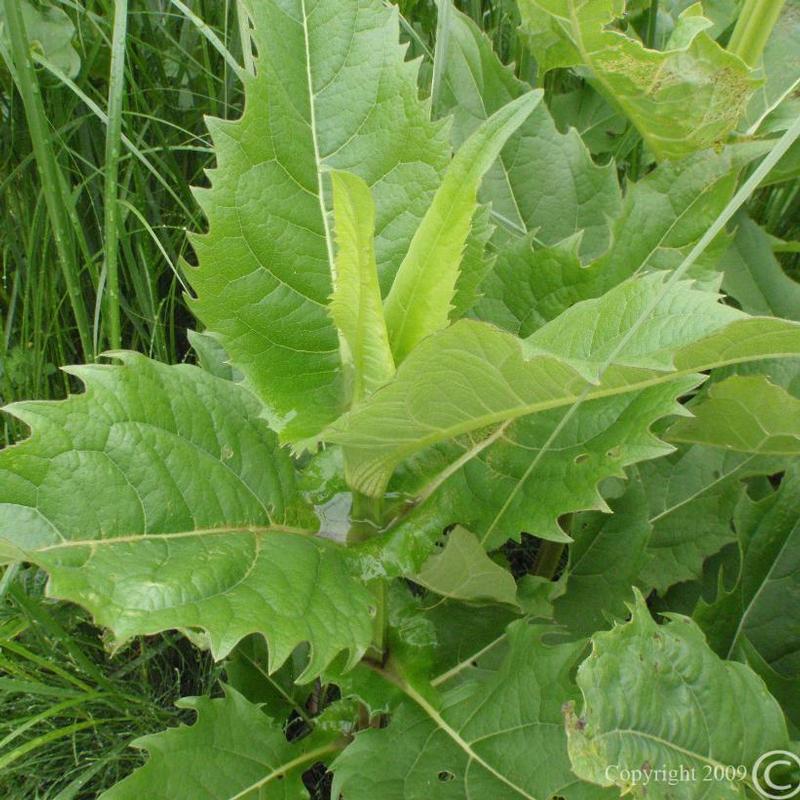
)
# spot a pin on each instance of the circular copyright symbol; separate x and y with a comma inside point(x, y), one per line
point(771, 786)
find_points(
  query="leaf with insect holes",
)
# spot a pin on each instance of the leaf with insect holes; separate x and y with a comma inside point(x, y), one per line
point(331, 91)
point(498, 737)
point(494, 378)
point(158, 499)
point(656, 697)
point(233, 750)
point(684, 98)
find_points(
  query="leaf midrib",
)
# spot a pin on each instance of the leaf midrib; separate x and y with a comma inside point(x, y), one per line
point(256, 530)
point(504, 415)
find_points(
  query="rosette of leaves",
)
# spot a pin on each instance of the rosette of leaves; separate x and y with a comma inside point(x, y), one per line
point(414, 382)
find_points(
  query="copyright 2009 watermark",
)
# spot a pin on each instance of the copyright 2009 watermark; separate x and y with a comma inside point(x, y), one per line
point(770, 775)
point(775, 775)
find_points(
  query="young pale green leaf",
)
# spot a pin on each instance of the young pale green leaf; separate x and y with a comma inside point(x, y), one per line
point(685, 98)
point(158, 499)
point(492, 377)
point(656, 697)
point(233, 751)
point(755, 278)
point(764, 604)
point(543, 183)
point(746, 414)
point(356, 305)
point(421, 296)
point(500, 737)
point(331, 91)
point(463, 571)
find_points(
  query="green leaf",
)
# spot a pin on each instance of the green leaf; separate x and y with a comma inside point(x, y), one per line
point(780, 67)
point(50, 33)
point(158, 499)
point(685, 98)
point(525, 481)
point(331, 91)
point(764, 603)
point(420, 299)
point(544, 182)
point(463, 571)
point(356, 305)
point(594, 593)
point(754, 277)
point(662, 217)
point(598, 123)
point(745, 414)
point(211, 356)
point(785, 690)
point(691, 497)
point(656, 697)
point(493, 377)
point(499, 738)
point(233, 750)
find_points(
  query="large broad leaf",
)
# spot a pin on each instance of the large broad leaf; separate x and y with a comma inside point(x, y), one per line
point(500, 737)
point(233, 750)
point(419, 301)
point(544, 182)
point(684, 98)
point(656, 697)
point(158, 499)
point(661, 219)
point(493, 378)
point(755, 278)
point(691, 496)
point(745, 414)
point(526, 480)
point(764, 605)
point(331, 91)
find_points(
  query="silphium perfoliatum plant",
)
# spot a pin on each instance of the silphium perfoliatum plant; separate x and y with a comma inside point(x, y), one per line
point(428, 335)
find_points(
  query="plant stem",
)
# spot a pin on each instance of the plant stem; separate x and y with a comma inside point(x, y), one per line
point(41, 139)
point(548, 558)
point(444, 8)
point(116, 87)
point(366, 517)
point(377, 650)
point(753, 28)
